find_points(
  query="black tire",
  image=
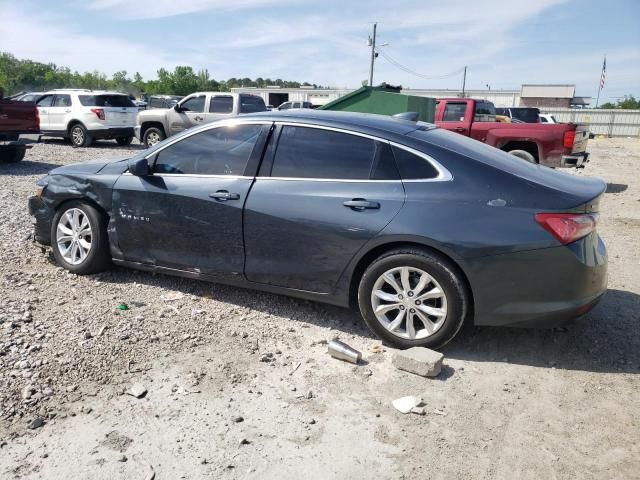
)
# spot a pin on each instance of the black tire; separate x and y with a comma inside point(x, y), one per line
point(152, 134)
point(98, 257)
point(11, 154)
point(441, 270)
point(124, 141)
point(523, 154)
point(79, 136)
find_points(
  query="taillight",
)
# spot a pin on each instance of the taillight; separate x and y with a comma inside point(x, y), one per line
point(568, 227)
point(37, 118)
point(569, 138)
point(99, 112)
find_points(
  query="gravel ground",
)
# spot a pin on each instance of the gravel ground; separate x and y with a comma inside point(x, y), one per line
point(240, 385)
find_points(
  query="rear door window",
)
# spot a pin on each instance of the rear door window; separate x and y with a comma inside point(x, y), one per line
point(218, 151)
point(304, 152)
point(454, 112)
point(45, 101)
point(221, 104)
point(62, 101)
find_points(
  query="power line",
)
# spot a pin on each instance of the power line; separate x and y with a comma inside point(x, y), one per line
point(412, 72)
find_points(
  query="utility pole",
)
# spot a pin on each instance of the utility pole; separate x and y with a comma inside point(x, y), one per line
point(372, 41)
point(464, 80)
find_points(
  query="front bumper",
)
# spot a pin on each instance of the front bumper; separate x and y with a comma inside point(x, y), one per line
point(574, 160)
point(113, 132)
point(539, 288)
point(41, 218)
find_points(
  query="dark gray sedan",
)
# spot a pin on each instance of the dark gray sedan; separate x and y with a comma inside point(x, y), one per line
point(420, 228)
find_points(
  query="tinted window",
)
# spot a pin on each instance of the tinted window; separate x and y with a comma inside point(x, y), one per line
point(251, 103)
point(194, 104)
point(221, 104)
point(157, 103)
point(285, 106)
point(502, 111)
point(384, 165)
point(62, 101)
point(543, 120)
point(219, 151)
point(413, 167)
point(485, 112)
point(106, 101)
point(315, 153)
point(527, 115)
point(454, 112)
point(45, 101)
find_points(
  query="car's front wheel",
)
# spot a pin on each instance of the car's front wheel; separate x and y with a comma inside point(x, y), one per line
point(79, 238)
point(79, 136)
point(153, 135)
point(124, 140)
point(413, 298)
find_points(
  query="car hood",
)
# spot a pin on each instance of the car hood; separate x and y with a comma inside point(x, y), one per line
point(88, 168)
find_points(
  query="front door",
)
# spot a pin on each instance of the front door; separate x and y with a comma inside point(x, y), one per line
point(189, 114)
point(187, 214)
point(325, 194)
point(44, 105)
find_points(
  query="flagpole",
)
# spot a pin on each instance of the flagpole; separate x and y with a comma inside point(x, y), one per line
point(598, 97)
point(600, 84)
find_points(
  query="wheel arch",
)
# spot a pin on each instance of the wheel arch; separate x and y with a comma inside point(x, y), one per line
point(72, 123)
point(149, 124)
point(367, 257)
point(527, 145)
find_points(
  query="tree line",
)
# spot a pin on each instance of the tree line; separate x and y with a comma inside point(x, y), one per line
point(628, 102)
point(26, 75)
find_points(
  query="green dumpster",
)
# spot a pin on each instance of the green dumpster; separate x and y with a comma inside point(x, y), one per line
point(384, 100)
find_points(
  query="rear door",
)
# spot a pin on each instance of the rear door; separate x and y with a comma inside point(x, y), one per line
point(455, 116)
point(58, 111)
point(44, 104)
point(119, 110)
point(191, 113)
point(320, 196)
point(220, 106)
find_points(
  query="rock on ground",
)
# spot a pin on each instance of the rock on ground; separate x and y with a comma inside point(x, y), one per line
point(419, 360)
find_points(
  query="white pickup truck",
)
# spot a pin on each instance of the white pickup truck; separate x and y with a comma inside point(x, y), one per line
point(153, 126)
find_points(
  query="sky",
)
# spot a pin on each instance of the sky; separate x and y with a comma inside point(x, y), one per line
point(504, 43)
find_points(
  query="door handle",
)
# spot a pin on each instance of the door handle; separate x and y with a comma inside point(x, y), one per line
point(224, 195)
point(361, 204)
point(198, 118)
point(459, 129)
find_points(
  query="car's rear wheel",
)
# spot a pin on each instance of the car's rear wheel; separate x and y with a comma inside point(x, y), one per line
point(124, 140)
point(411, 297)
point(79, 136)
point(523, 154)
point(153, 135)
point(79, 238)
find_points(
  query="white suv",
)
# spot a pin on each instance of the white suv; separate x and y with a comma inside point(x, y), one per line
point(85, 115)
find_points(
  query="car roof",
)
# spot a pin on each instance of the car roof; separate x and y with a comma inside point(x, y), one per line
point(363, 122)
point(83, 91)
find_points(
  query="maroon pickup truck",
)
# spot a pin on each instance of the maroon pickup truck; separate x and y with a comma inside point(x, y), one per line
point(16, 118)
point(553, 145)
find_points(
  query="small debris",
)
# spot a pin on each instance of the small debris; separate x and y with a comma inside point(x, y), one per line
point(342, 351)
point(419, 360)
point(123, 306)
point(244, 441)
point(238, 419)
point(36, 423)
point(296, 367)
point(407, 404)
point(137, 390)
point(440, 412)
point(377, 348)
point(122, 458)
point(172, 297)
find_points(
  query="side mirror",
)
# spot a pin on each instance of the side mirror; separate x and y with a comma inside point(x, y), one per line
point(178, 108)
point(139, 168)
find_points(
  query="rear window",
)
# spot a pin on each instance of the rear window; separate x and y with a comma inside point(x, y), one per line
point(527, 115)
point(251, 104)
point(106, 101)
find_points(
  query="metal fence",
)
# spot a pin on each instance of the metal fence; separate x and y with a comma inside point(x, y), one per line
point(613, 123)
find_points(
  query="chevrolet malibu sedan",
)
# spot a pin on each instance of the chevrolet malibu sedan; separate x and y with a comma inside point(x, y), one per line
point(419, 228)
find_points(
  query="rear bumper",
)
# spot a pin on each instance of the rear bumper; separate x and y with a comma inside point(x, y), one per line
point(41, 218)
point(574, 160)
point(539, 288)
point(108, 133)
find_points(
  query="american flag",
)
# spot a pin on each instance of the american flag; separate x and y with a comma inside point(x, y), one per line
point(603, 74)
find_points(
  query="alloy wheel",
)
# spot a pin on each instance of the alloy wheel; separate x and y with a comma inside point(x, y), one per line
point(74, 236)
point(77, 135)
point(152, 139)
point(409, 303)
